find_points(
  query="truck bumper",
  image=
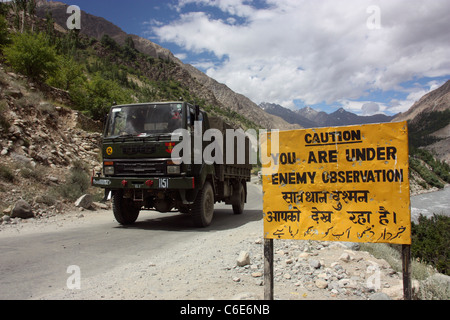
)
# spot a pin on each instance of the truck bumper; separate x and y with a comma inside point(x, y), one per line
point(164, 183)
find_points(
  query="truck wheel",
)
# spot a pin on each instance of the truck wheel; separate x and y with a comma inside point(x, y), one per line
point(124, 210)
point(203, 207)
point(238, 207)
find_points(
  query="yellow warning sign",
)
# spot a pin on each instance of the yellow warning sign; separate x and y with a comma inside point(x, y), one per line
point(337, 184)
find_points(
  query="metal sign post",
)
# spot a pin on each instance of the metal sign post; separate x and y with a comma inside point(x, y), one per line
point(268, 269)
point(406, 269)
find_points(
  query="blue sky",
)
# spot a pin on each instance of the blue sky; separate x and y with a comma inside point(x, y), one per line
point(367, 56)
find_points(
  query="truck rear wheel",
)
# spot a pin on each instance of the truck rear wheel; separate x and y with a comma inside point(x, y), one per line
point(203, 207)
point(124, 210)
point(238, 206)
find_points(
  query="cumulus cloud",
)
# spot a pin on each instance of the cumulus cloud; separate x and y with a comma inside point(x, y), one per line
point(317, 51)
point(370, 108)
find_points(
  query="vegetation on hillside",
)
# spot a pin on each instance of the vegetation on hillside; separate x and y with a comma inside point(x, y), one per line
point(421, 129)
point(96, 74)
point(434, 173)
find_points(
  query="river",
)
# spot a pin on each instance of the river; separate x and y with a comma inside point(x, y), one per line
point(429, 203)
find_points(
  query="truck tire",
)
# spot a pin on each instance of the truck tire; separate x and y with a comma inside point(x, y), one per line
point(238, 206)
point(203, 207)
point(124, 210)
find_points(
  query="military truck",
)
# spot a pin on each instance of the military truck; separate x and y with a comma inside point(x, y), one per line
point(140, 171)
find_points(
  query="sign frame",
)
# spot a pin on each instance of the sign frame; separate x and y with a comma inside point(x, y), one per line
point(394, 152)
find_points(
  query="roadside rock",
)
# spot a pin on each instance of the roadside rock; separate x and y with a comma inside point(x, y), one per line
point(379, 296)
point(100, 205)
point(243, 259)
point(22, 210)
point(314, 263)
point(321, 284)
point(85, 201)
point(345, 257)
point(319, 269)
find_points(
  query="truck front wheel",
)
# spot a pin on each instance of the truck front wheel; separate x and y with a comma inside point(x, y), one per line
point(124, 210)
point(203, 207)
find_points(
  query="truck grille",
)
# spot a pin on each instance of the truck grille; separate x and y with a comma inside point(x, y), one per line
point(140, 168)
point(140, 148)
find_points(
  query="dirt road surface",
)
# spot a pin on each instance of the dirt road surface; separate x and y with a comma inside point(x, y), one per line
point(87, 255)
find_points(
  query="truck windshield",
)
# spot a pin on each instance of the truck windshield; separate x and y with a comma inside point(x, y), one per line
point(140, 120)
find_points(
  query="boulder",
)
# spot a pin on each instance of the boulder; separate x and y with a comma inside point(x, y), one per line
point(314, 263)
point(22, 209)
point(321, 284)
point(379, 296)
point(100, 205)
point(345, 257)
point(243, 259)
point(85, 201)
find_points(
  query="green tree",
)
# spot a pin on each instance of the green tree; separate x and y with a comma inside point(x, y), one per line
point(32, 55)
point(97, 95)
point(21, 9)
point(431, 241)
point(109, 43)
point(69, 73)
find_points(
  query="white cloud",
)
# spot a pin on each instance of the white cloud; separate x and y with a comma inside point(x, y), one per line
point(415, 93)
point(370, 108)
point(364, 108)
point(317, 51)
point(181, 56)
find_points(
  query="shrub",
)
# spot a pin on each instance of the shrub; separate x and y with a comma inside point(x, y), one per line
point(6, 174)
point(32, 55)
point(76, 184)
point(431, 241)
point(4, 122)
point(37, 174)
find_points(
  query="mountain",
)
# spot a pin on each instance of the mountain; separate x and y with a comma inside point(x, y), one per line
point(287, 114)
point(342, 117)
point(436, 100)
point(208, 89)
point(310, 118)
point(429, 122)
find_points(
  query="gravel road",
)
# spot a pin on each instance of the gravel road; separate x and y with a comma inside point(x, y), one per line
point(87, 255)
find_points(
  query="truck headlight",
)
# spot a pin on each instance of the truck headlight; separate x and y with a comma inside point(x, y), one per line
point(109, 170)
point(173, 169)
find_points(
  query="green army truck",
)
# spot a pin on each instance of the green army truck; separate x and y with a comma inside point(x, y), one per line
point(140, 171)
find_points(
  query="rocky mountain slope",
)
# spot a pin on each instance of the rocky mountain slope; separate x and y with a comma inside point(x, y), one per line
point(431, 116)
point(436, 100)
point(310, 118)
point(213, 92)
point(40, 140)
